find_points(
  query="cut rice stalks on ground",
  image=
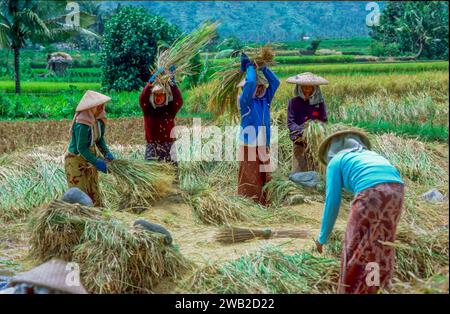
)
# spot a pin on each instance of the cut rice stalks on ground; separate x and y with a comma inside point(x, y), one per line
point(140, 183)
point(411, 157)
point(215, 208)
point(115, 258)
point(282, 191)
point(230, 235)
point(269, 271)
point(437, 284)
point(182, 51)
point(225, 94)
point(57, 228)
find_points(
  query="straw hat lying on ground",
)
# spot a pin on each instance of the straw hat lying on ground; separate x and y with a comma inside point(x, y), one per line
point(52, 277)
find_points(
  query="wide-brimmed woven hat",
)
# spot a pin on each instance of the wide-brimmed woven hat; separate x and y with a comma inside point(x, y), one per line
point(327, 141)
point(92, 99)
point(260, 80)
point(307, 78)
point(51, 275)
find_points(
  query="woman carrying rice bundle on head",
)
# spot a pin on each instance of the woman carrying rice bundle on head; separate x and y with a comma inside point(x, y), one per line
point(374, 212)
point(87, 133)
point(160, 105)
point(308, 104)
point(254, 104)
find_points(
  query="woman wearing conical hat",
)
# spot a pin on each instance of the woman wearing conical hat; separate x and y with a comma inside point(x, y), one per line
point(367, 264)
point(87, 136)
point(307, 104)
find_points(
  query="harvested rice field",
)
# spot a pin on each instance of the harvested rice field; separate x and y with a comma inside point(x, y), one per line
point(220, 242)
point(199, 205)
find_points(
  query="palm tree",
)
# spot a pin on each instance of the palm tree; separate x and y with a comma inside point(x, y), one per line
point(21, 20)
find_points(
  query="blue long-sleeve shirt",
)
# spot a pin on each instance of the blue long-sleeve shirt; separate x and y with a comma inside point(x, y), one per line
point(255, 111)
point(355, 172)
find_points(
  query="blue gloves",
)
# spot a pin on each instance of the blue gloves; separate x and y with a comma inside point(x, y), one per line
point(101, 165)
point(152, 79)
point(109, 157)
point(245, 62)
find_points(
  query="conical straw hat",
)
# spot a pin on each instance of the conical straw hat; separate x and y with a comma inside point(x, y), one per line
point(50, 275)
point(326, 142)
point(307, 78)
point(91, 100)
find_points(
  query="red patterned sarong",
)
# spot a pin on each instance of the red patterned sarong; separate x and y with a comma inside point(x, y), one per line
point(251, 178)
point(367, 265)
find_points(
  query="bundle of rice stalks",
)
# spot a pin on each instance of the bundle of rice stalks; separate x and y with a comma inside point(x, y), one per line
point(139, 182)
point(224, 95)
point(314, 133)
point(182, 51)
point(269, 271)
point(282, 191)
point(411, 157)
point(117, 259)
point(420, 253)
point(235, 235)
point(56, 229)
point(215, 208)
point(438, 283)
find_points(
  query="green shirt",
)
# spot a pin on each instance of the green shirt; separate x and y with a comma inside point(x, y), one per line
point(82, 139)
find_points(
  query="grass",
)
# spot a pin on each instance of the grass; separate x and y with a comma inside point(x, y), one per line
point(269, 271)
point(362, 68)
point(413, 115)
point(47, 87)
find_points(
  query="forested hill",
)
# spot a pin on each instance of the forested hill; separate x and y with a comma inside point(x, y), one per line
point(266, 21)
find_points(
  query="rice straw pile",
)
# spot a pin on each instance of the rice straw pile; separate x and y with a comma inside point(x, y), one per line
point(282, 191)
point(140, 183)
point(421, 253)
point(224, 96)
point(117, 259)
point(215, 208)
point(235, 235)
point(269, 271)
point(182, 51)
point(411, 157)
point(56, 229)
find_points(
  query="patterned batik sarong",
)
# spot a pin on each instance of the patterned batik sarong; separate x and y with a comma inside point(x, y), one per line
point(159, 151)
point(81, 174)
point(367, 264)
point(251, 179)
